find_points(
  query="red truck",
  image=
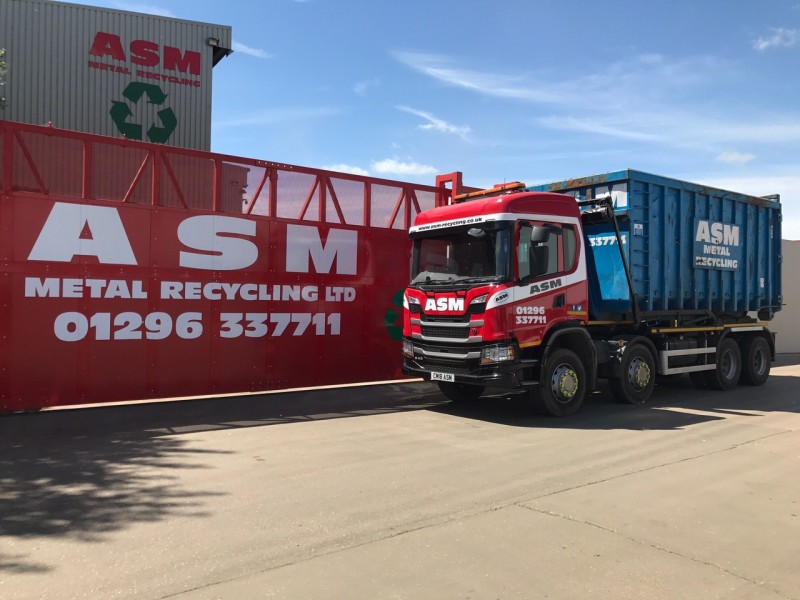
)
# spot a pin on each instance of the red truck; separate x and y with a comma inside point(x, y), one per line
point(623, 277)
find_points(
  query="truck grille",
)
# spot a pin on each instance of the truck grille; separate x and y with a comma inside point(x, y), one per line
point(445, 332)
point(442, 319)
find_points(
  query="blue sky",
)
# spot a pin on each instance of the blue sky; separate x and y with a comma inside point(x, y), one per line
point(534, 91)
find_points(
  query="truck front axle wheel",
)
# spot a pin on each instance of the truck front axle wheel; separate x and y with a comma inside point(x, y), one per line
point(563, 384)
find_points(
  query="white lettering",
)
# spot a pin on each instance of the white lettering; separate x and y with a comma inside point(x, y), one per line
point(702, 232)
point(340, 294)
point(72, 288)
point(717, 233)
point(83, 288)
point(41, 288)
point(171, 290)
point(212, 291)
point(117, 289)
point(303, 242)
point(196, 290)
point(249, 291)
point(730, 235)
point(444, 304)
point(192, 290)
point(210, 234)
point(101, 227)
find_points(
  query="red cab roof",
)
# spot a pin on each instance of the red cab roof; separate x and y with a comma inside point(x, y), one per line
point(541, 203)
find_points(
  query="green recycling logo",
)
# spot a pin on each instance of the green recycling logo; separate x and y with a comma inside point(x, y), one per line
point(121, 113)
point(392, 316)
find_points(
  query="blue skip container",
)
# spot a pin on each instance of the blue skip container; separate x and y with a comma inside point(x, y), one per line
point(690, 248)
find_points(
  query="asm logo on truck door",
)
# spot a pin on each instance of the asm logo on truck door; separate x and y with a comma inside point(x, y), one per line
point(448, 304)
point(538, 288)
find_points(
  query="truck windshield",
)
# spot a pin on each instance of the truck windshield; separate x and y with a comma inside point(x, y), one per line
point(464, 256)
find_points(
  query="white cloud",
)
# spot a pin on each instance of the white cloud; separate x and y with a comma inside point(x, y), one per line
point(785, 185)
point(148, 9)
point(397, 167)
point(436, 124)
point(736, 158)
point(256, 52)
point(679, 129)
point(443, 69)
point(343, 168)
point(649, 98)
point(617, 86)
point(780, 183)
point(610, 127)
point(278, 115)
point(780, 38)
point(362, 87)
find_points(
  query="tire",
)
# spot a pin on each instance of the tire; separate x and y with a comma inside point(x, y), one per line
point(756, 361)
point(460, 392)
point(637, 375)
point(563, 384)
point(729, 366)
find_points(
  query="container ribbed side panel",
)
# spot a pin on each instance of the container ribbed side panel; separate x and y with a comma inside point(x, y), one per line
point(690, 247)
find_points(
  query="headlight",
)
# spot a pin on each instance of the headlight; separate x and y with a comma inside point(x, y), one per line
point(411, 304)
point(408, 348)
point(498, 353)
point(479, 299)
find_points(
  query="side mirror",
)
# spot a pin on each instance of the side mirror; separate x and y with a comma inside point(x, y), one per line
point(539, 235)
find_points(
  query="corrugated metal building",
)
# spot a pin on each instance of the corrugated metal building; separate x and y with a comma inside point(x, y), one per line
point(110, 72)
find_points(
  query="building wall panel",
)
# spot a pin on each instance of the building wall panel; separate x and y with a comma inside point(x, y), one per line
point(54, 78)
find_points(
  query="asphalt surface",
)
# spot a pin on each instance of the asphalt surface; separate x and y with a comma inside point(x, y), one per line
point(390, 492)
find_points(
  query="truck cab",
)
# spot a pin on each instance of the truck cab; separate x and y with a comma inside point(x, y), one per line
point(492, 281)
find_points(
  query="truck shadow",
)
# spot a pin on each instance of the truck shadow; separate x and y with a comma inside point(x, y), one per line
point(785, 360)
point(83, 474)
point(675, 404)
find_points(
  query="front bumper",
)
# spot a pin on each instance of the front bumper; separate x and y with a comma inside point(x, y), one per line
point(463, 362)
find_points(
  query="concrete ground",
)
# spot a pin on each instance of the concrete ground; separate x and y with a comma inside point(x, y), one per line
point(390, 492)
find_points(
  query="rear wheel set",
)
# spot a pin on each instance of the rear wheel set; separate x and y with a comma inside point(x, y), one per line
point(747, 362)
point(637, 376)
point(756, 361)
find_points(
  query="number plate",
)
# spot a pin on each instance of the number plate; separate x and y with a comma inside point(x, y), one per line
point(442, 376)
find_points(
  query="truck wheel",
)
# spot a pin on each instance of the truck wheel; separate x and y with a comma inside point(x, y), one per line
point(460, 392)
point(563, 383)
point(729, 366)
point(637, 375)
point(755, 361)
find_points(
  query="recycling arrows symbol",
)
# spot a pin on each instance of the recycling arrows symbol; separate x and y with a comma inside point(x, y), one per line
point(392, 316)
point(121, 112)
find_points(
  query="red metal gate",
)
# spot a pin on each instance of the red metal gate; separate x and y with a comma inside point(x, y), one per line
point(135, 271)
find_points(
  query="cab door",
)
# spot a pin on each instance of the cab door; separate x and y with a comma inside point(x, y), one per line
point(546, 256)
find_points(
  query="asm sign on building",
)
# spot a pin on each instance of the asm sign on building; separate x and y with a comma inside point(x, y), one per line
point(118, 285)
point(110, 72)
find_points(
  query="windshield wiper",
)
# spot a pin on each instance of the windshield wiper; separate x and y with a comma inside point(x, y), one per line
point(485, 278)
point(450, 281)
